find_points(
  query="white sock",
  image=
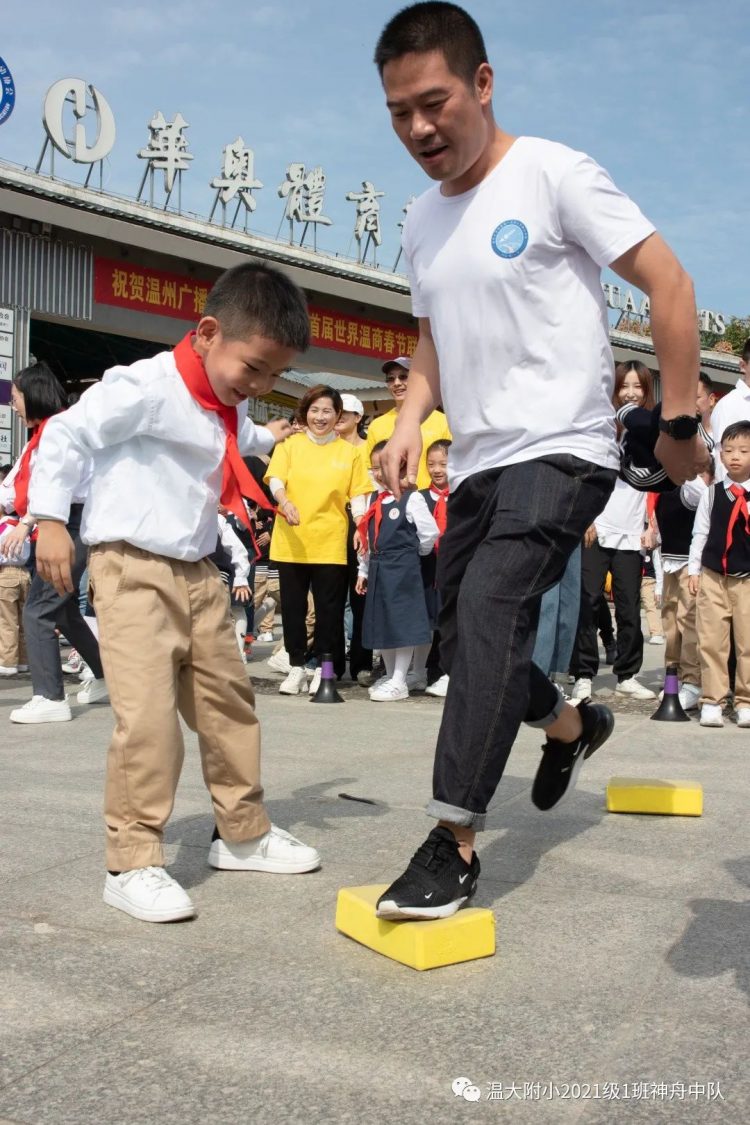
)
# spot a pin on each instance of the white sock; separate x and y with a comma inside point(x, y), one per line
point(419, 663)
point(401, 665)
point(389, 659)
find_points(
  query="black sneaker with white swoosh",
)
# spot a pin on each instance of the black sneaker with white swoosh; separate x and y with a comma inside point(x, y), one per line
point(437, 882)
point(561, 761)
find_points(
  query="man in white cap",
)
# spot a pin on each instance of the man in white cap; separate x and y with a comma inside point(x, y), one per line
point(434, 427)
point(347, 426)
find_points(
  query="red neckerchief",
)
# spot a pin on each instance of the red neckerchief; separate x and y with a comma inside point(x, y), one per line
point(739, 509)
point(237, 480)
point(22, 479)
point(440, 514)
point(375, 511)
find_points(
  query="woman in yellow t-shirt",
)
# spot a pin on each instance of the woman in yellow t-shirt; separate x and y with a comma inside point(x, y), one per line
point(312, 476)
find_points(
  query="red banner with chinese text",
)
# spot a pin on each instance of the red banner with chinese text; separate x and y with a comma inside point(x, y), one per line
point(144, 289)
point(359, 335)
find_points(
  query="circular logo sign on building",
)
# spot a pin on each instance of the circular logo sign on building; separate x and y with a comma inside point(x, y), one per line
point(7, 92)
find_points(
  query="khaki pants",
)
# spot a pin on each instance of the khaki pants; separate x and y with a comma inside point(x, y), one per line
point(266, 587)
point(678, 620)
point(14, 588)
point(648, 605)
point(724, 601)
point(168, 648)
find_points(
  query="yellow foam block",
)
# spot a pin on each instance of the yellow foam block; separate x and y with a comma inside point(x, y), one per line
point(649, 795)
point(469, 934)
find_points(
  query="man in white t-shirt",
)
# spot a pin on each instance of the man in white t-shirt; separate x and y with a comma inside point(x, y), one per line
point(504, 257)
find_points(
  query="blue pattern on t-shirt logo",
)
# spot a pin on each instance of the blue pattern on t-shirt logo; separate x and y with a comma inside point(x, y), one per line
point(510, 238)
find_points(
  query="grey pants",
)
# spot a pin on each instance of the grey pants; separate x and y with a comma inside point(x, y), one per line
point(45, 611)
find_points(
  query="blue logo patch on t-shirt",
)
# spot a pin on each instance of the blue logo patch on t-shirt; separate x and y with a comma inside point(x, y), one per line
point(510, 238)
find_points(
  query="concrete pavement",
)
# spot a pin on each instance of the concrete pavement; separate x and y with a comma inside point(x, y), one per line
point(622, 967)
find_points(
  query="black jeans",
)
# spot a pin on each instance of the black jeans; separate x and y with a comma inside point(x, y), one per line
point(625, 568)
point(360, 658)
point(46, 611)
point(510, 534)
point(328, 584)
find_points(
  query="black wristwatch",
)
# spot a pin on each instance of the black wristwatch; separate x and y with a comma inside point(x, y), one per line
point(681, 428)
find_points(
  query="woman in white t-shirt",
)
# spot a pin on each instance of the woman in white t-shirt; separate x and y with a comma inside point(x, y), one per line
point(613, 544)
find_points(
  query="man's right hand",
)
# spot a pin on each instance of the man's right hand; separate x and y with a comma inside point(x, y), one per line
point(55, 554)
point(590, 536)
point(400, 458)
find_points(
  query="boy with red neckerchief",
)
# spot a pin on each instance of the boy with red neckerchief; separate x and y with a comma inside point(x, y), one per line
point(166, 437)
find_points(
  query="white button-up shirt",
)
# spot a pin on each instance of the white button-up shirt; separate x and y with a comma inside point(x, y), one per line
point(157, 461)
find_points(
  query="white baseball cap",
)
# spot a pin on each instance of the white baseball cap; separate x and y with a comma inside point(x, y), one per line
point(401, 360)
point(352, 405)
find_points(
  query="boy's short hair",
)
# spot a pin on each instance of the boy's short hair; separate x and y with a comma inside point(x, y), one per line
point(43, 395)
point(736, 430)
point(257, 300)
point(434, 26)
point(441, 443)
point(707, 381)
point(378, 447)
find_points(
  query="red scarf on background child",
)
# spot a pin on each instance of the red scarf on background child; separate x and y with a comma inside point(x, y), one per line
point(237, 480)
point(440, 514)
point(22, 479)
point(374, 512)
point(739, 509)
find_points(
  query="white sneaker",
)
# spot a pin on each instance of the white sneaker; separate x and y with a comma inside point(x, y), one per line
point(416, 681)
point(279, 662)
point(743, 716)
point(277, 852)
point(150, 894)
point(8, 669)
point(378, 684)
point(295, 682)
point(711, 715)
point(439, 688)
point(634, 690)
point(93, 691)
point(689, 696)
point(39, 709)
point(74, 664)
point(656, 639)
point(264, 638)
point(314, 682)
point(389, 692)
point(582, 689)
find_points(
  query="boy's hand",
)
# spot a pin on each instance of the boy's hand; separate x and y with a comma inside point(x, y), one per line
point(12, 542)
point(263, 539)
point(241, 593)
point(361, 586)
point(280, 428)
point(54, 555)
point(694, 582)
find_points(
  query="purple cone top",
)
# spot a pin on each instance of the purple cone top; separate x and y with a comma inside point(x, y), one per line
point(327, 672)
point(671, 685)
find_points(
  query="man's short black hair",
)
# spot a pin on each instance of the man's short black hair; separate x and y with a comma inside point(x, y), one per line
point(746, 350)
point(43, 395)
point(434, 26)
point(258, 300)
point(707, 381)
point(735, 430)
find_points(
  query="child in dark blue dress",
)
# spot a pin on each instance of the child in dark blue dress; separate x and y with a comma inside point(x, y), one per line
point(393, 535)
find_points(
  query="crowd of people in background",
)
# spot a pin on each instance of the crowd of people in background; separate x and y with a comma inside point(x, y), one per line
point(353, 576)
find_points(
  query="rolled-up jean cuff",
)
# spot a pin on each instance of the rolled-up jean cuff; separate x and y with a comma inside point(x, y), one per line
point(542, 724)
point(454, 815)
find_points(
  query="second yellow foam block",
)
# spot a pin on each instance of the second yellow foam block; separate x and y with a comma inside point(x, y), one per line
point(469, 934)
point(649, 795)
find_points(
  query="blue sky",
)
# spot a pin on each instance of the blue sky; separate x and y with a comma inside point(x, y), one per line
point(657, 92)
